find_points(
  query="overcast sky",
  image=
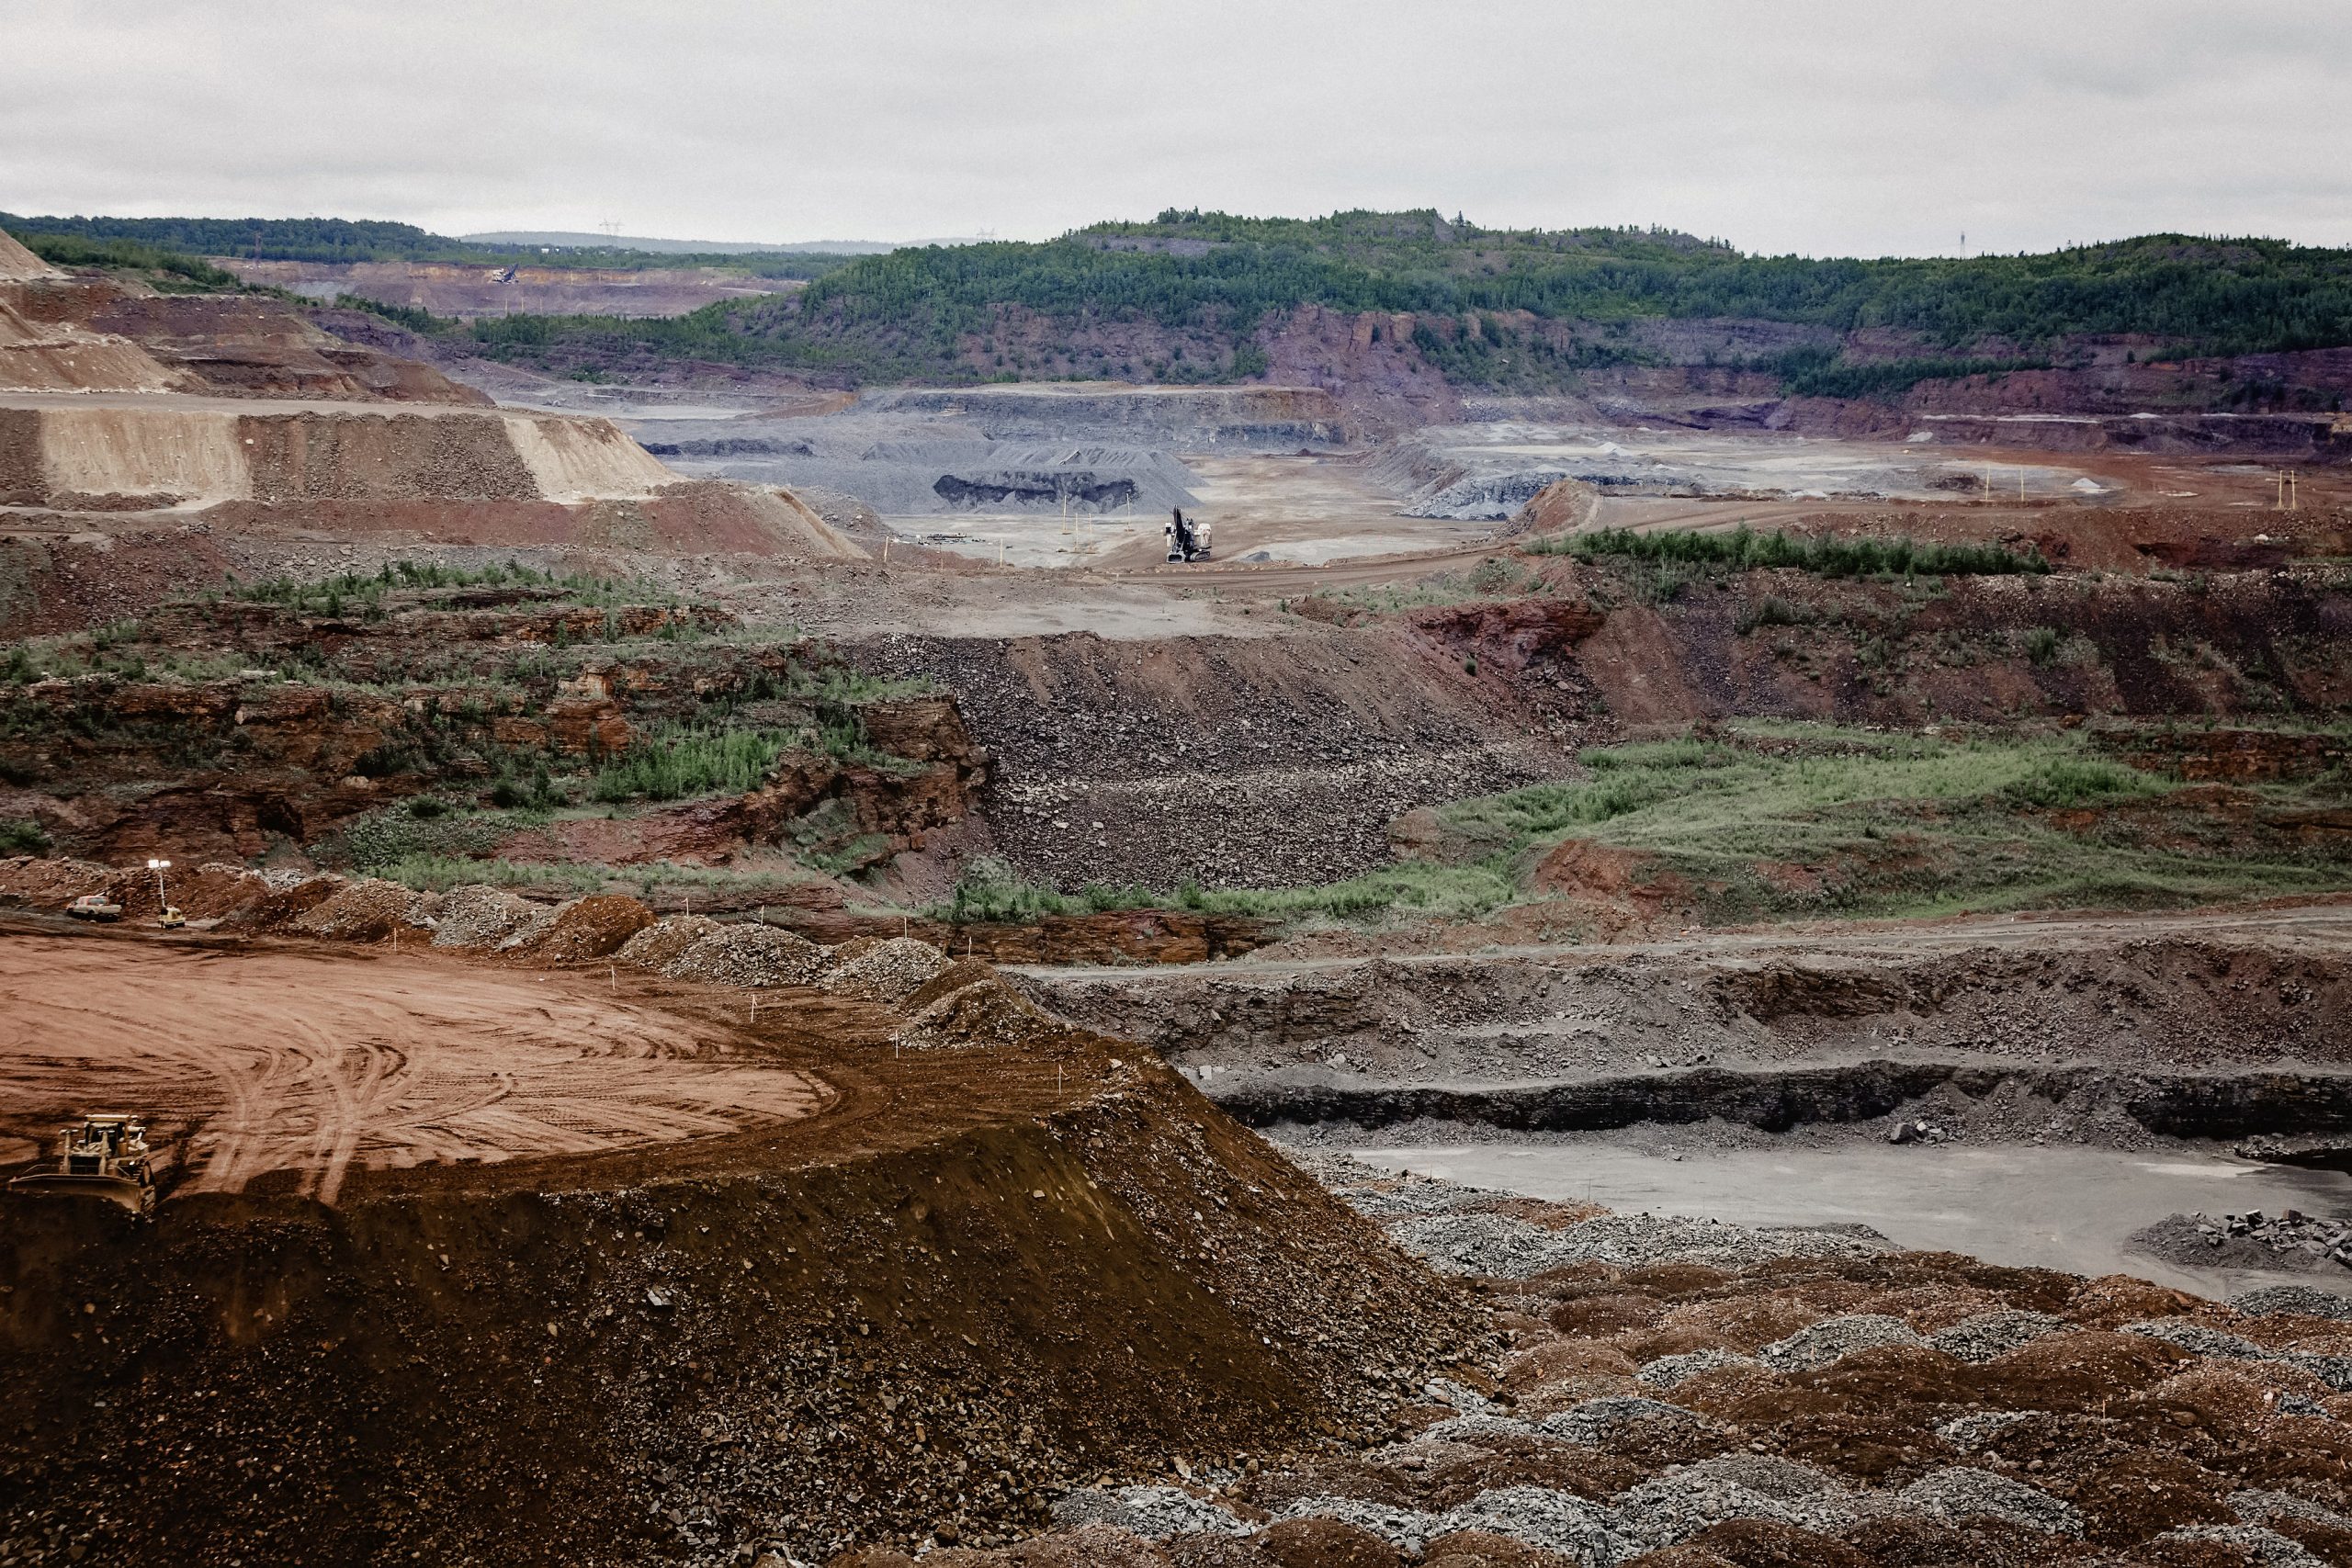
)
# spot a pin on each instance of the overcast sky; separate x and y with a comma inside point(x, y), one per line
point(1824, 126)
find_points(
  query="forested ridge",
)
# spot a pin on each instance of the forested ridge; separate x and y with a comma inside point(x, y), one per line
point(1191, 295)
point(1213, 280)
point(349, 240)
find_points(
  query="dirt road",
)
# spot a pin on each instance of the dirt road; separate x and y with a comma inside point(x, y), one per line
point(296, 1067)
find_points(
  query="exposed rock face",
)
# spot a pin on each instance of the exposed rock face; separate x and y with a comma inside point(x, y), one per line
point(1273, 418)
point(1512, 634)
point(1368, 361)
point(60, 333)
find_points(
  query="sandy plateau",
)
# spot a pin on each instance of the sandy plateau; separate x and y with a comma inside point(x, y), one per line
point(292, 1071)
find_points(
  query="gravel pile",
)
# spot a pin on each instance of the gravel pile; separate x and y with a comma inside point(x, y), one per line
point(749, 955)
point(1154, 1512)
point(1493, 1245)
point(1415, 1198)
point(1680, 1504)
point(888, 972)
point(2287, 1239)
point(1596, 1421)
point(986, 1013)
point(1541, 1517)
point(1833, 1339)
point(2258, 1506)
point(661, 944)
point(1648, 1239)
point(1973, 1432)
point(1783, 1479)
point(1994, 1334)
point(1672, 1372)
point(2303, 1301)
point(1445, 1391)
point(2267, 1548)
point(1408, 1530)
point(535, 928)
point(1504, 1248)
point(477, 916)
point(1480, 1425)
point(366, 910)
point(2336, 1371)
point(1960, 1493)
point(2198, 1340)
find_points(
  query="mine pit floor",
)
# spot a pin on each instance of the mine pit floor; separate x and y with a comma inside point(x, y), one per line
point(2021, 1205)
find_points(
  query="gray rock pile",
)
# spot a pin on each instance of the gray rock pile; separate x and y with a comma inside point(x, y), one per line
point(477, 916)
point(1502, 1247)
point(1668, 1372)
point(1994, 1334)
point(2289, 1231)
point(749, 955)
point(1960, 1493)
point(1408, 1529)
point(889, 971)
point(1596, 1421)
point(664, 941)
point(2303, 1300)
point(1154, 1512)
point(2266, 1547)
point(1833, 1339)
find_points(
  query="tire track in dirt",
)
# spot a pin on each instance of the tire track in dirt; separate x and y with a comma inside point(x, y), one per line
point(315, 1067)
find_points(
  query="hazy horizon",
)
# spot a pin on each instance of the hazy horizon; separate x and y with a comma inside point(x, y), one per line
point(1817, 128)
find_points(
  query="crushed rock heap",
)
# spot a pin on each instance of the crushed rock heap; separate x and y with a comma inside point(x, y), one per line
point(1687, 1394)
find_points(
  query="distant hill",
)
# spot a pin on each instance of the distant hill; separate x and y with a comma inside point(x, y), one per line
point(1194, 296)
point(349, 240)
point(565, 239)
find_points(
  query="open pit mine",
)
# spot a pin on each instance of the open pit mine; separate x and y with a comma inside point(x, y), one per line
point(703, 967)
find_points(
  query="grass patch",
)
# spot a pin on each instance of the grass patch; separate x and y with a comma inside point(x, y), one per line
point(1793, 819)
point(1824, 555)
point(426, 583)
point(681, 763)
point(989, 890)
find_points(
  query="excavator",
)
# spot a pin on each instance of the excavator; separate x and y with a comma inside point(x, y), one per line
point(1186, 541)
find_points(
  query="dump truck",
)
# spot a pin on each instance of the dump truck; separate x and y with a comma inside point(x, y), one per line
point(95, 906)
point(105, 1157)
point(1187, 540)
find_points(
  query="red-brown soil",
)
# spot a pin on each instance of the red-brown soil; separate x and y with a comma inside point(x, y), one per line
point(298, 1070)
point(977, 1276)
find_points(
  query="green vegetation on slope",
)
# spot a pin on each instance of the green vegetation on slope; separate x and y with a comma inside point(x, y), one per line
point(345, 240)
point(1802, 819)
point(169, 266)
point(1794, 820)
point(1213, 279)
point(1825, 555)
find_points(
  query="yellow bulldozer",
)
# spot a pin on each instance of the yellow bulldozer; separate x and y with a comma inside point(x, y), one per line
point(105, 1157)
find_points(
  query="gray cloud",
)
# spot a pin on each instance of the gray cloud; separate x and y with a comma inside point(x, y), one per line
point(1816, 125)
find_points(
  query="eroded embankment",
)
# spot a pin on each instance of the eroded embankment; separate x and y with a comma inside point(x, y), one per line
point(2203, 1025)
point(2167, 992)
point(983, 1275)
point(2186, 1105)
